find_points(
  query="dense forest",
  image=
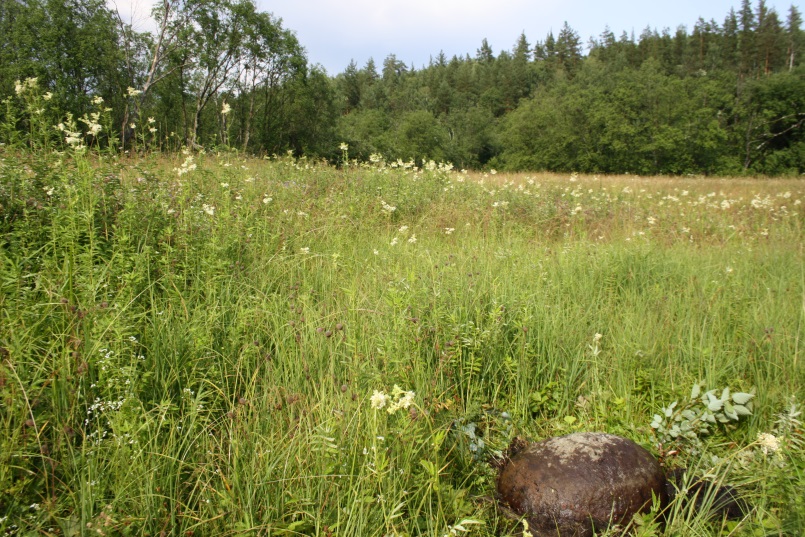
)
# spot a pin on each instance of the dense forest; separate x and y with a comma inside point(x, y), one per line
point(723, 98)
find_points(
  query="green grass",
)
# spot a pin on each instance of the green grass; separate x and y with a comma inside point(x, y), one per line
point(195, 354)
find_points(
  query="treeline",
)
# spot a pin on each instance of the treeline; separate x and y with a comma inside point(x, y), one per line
point(724, 98)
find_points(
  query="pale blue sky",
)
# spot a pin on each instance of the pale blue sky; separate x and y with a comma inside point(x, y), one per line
point(333, 33)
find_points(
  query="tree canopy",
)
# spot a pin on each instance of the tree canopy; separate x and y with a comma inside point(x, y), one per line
point(720, 98)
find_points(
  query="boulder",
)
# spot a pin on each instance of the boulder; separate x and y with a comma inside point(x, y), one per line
point(570, 486)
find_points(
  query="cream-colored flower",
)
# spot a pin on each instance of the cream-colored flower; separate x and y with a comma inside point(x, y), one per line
point(225, 109)
point(768, 443)
point(133, 92)
point(378, 400)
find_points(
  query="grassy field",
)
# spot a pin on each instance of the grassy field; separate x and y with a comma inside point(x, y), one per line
point(213, 345)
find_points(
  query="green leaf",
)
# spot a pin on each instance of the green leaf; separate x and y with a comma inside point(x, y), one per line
point(742, 410)
point(741, 398)
point(570, 420)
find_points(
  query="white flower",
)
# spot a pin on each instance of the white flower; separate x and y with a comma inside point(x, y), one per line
point(597, 337)
point(449, 230)
point(151, 121)
point(267, 199)
point(304, 250)
point(225, 109)
point(412, 238)
point(378, 400)
point(132, 126)
point(97, 100)
point(343, 146)
point(18, 87)
point(209, 209)
point(403, 229)
point(768, 443)
point(224, 185)
point(133, 92)
point(394, 241)
point(47, 96)
point(152, 130)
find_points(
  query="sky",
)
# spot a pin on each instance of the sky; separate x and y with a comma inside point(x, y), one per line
point(334, 33)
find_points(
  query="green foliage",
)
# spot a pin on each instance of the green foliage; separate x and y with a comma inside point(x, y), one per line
point(210, 343)
point(697, 416)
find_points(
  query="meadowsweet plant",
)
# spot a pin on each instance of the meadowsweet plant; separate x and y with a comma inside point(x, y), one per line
point(211, 344)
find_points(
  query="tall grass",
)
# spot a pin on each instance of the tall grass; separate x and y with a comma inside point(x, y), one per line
point(190, 344)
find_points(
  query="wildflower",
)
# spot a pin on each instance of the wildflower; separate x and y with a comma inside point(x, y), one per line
point(526, 533)
point(47, 96)
point(18, 87)
point(132, 126)
point(343, 146)
point(768, 443)
point(187, 166)
point(225, 109)
point(387, 208)
point(209, 209)
point(378, 400)
point(403, 229)
point(97, 100)
point(152, 130)
point(375, 252)
point(151, 121)
point(597, 337)
point(394, 241)
point(449, 230)
point(133, 92)
point(224, 185)
point(267, 199)
point(651, 220)
point(412, 238)
point(304, 250)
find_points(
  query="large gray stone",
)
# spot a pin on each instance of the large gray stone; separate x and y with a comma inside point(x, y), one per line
point(570, 485)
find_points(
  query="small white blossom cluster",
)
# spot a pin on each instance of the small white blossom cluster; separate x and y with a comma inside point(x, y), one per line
point(768, 443)
point(398, 399)
point(387, 208)
point(28, 83)
point(71, 137)
point(187, 166)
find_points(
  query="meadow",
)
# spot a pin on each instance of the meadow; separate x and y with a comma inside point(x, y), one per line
point(209, 344)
